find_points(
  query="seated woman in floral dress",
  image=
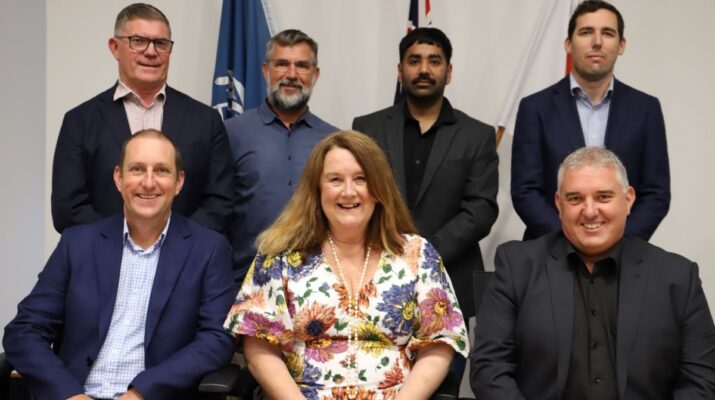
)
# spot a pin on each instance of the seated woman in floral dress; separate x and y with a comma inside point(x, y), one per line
point(344, 300)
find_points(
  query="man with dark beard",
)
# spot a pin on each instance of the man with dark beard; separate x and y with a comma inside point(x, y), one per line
point(271, 143)
point(444, 161)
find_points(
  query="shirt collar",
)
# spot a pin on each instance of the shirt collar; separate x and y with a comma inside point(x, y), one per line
point(268, 115)
point(123, 90)
point(157, 244)
point(577, 91)
point(614, 254)
point(446, 113)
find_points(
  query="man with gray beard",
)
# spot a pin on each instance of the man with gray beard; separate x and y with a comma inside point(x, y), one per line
point(271, 143)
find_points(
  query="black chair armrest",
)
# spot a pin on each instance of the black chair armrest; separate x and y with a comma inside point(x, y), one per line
point(5, 367)
point(224, 380)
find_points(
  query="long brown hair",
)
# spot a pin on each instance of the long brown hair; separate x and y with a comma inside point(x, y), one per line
point(302, 226)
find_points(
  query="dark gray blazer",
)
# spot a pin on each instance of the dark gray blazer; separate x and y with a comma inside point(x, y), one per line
point(665, 347)
point(456, 204)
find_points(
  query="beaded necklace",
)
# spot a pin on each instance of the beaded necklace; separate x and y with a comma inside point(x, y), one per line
point(353, 299)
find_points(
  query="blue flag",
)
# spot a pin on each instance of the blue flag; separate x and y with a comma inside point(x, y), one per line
point(238, 83)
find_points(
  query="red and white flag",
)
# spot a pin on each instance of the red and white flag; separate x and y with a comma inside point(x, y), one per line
point(418, 15)
point(544, 61)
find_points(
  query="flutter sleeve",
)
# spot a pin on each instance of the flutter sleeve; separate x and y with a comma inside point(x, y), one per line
point(260, 309)
point(440, 319)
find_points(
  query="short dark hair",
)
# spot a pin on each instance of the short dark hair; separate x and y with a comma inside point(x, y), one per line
point(590, 6)
point(424, 35)
point(151, 133)
point(139, 11)
point(291, 37)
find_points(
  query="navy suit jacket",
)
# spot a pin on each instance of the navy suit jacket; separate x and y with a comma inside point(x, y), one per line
point(665, 346)
point(88, 148)
point(71, 308)
point(456, 204)
point(548, 129)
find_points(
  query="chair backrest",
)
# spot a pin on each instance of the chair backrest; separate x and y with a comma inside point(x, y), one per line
point(481, 282)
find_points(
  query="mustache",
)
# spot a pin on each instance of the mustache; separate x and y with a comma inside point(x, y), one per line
point(423, 78)
point(290, 82)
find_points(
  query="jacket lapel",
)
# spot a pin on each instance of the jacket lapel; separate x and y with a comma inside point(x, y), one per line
point(561, 282)
point(115, 115)
point(442, 141)
point(394, 139)
point(615, 116)
point(174, 111)
point(108, 262)
point(172, 260)
point(631, 290)
point(568, 114)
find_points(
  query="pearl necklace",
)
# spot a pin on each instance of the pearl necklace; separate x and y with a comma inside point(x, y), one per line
point(353, 299)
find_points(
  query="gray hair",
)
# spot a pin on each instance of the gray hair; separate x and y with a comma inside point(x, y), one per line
point(599, 157)
point(139, 11)
point(291, 37)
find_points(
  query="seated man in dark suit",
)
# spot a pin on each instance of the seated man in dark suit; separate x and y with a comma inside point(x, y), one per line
point(133, 306)
point(92, 133)
point(588, 313)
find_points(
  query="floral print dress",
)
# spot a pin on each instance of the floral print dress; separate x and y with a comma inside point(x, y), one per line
point(302, 306)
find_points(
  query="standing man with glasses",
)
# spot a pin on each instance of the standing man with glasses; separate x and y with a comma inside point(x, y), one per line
point(90, 139)
point(271, 143)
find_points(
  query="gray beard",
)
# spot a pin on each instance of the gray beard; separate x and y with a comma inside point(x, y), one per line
point(289, 102)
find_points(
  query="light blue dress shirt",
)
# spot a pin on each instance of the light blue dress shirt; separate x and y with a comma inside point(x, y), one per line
point(121, 358)
point(593, 117)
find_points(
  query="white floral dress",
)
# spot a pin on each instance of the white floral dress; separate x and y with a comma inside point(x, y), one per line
point(302, 306)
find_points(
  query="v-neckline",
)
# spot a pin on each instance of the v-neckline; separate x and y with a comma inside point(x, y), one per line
point(367, 280)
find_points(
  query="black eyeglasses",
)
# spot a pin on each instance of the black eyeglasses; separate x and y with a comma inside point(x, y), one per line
point(140, 43)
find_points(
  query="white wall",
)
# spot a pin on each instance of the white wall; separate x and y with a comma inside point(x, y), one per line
point(669, 54)
point(22, 140)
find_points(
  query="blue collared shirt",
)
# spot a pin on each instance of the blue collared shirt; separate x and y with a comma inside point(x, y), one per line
point(268, 160)
point(121, 358)
point(593, 117)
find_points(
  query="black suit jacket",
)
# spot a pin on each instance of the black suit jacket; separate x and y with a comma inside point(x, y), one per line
point(665, 347)
point(456, 204)
point(88, 148)
point(548, 129)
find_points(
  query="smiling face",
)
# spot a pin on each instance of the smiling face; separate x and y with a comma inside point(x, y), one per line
point(290, 75)
point(144, 70)
point(595, 45)
point(593, 209)
point(424, 71)
point(148, 180)
point(344, 195)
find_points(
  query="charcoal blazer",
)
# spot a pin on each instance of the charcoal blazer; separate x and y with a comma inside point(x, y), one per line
point(456, 204)
point(548, 129)
point(72, 303)
point(665, 346)
point(88, 148)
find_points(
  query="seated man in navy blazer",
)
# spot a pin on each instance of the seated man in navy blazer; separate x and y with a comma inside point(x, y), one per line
point(590, 108)
point(588, 313)
point(89, 141)
point(130, 306)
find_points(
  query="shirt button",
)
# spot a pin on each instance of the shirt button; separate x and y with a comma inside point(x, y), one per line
point(290, 157)
point(596, 380)
point(290, 183)
point(593, 312)
point(594, 345)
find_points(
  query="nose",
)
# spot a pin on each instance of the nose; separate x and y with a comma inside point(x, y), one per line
point(590, 208)
point(151, 49)
point(597, 40)
point(292, 71)
point(149, 180)
point(349, 188)
point(424, 66)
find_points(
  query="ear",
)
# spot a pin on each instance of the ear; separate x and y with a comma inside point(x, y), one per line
point(264, 69)
point(113, 45)
point(449, 73)
point(316, 75)
point(567, 45)
point(399, 73)
point(118, 178)
point(179, 182)
point(557, 201)
point(630, 198)
point(622, 46)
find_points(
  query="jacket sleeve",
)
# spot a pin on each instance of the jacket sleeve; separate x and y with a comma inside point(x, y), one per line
point(653, 190)
point(493, 359)
point(36, 327)
point(212, 347)
point(534, 206)
point(697, 352)
point(216, 206)
point(478, 209)
point(71, 198)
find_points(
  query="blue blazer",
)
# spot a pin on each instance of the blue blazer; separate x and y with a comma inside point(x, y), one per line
point(665, 346)
point(88, 148)
point(548, 129)
point(71, 308)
